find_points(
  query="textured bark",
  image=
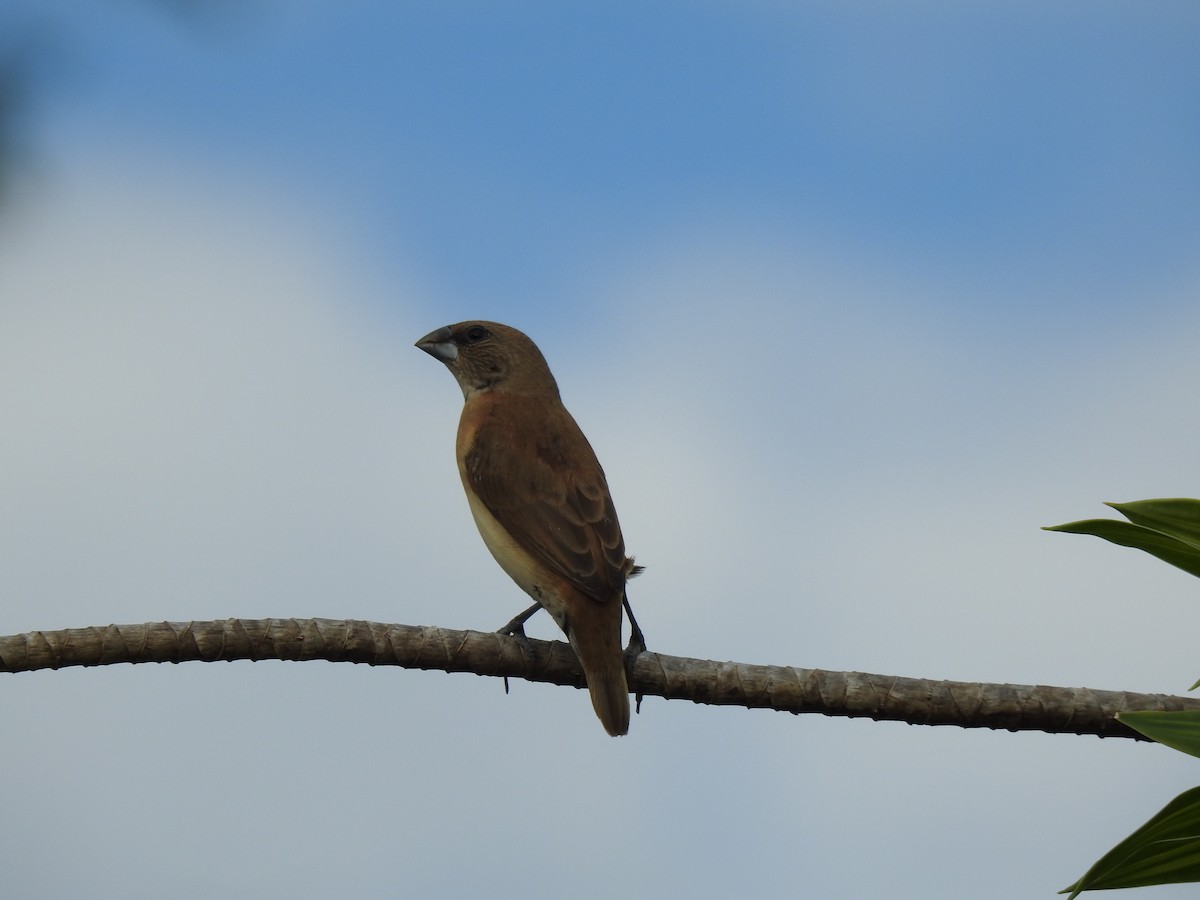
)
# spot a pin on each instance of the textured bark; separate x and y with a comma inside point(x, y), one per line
point(918, 701)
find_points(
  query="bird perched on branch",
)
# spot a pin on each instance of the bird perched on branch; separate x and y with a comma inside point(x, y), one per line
point(540, 500)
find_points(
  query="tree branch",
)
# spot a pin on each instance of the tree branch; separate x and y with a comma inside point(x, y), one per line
point(918, 701)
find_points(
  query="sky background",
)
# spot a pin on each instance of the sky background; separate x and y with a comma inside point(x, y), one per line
point(849, 298)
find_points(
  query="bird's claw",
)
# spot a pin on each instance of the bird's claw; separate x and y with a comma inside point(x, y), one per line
point(637, 640)
point(515, 628)
point(635, 648)
point(516, 625)
point(637, 643)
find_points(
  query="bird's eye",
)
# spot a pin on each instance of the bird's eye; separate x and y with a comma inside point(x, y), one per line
point(476, 333)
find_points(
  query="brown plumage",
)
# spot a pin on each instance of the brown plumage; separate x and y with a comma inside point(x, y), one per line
point(540, 499)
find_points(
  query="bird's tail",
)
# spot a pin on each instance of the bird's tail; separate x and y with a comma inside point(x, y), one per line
point(595, 636)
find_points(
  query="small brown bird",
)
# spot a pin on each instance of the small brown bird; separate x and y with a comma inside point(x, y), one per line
point(540, 500)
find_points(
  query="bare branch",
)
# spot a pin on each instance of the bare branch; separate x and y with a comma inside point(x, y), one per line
point(918, 701)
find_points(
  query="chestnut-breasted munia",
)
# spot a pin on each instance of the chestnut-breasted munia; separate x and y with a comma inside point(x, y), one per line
point(540, 498)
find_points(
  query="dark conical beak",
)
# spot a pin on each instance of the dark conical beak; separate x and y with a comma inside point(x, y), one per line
point(439, 345)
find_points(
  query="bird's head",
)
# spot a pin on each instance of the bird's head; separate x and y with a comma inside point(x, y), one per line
point(486, 356)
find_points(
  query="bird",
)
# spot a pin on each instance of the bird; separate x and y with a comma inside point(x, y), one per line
point(541, 501)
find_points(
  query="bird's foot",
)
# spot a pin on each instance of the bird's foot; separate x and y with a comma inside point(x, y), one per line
point(516, 625)
point(637, 640)
point(516, 628)
point(636, 647)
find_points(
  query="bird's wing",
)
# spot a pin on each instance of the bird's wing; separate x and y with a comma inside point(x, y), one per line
point(538, 476)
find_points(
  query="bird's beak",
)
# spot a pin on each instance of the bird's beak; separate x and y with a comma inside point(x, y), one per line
point(439, 345)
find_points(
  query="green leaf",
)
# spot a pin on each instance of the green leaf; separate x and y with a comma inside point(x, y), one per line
point(1168, 528)
point(1179, 729)
point(1178, 517)
point(1166, 850)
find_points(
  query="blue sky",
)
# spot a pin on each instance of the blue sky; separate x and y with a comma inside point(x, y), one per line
point(850, 299)
point(504, 147)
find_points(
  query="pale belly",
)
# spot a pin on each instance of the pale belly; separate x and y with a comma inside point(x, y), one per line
point(515, 561)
